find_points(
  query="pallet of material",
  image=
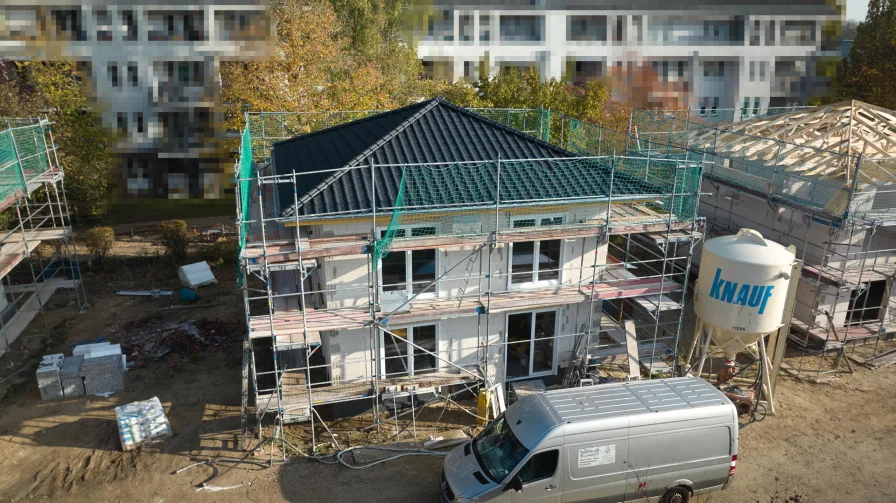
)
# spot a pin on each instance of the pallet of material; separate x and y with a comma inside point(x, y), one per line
point(141, 423)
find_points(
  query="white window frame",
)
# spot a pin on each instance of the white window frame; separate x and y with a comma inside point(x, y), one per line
point(554, 356)
point(409, 357)
point(535, 252)
point(408, 289)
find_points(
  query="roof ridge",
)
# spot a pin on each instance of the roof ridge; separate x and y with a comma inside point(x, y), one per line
point(504, 127)
point(348, 123)
point(365, 153)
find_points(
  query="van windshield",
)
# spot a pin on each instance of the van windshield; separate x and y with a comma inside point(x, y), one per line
point(498, 450)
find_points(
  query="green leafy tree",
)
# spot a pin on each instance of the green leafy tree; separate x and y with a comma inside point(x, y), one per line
point(38, 88)
point(868, 73)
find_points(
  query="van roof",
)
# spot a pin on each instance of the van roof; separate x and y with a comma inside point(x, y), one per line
point(635, 397)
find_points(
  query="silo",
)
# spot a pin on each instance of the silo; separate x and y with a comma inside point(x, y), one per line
point(741, 293)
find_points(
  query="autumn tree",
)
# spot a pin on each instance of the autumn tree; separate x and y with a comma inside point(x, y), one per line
point(339, 55)
point(55, 89)
point(869, 71)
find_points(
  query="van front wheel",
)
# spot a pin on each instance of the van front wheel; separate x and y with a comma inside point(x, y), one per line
point(676, 495)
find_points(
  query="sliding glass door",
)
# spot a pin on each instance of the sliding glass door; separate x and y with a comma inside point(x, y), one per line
point(530, 344)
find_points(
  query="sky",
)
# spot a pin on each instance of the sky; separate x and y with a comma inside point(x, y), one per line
point(856, 9)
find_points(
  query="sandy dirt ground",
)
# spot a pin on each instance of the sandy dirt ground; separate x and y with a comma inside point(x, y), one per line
point(830, 442)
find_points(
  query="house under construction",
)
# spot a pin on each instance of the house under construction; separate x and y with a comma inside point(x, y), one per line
point(32, 197)
point(431, 250)
point(824, 180)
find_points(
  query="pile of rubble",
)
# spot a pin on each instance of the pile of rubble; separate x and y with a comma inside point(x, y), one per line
point(150, 339)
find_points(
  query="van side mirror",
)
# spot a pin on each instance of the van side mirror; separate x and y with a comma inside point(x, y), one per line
point(516, 483)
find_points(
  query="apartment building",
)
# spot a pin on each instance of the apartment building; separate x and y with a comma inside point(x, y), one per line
point(752, 54)
point(153, 69)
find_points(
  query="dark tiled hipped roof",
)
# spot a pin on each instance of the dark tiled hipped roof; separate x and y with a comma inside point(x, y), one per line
point(434, 131)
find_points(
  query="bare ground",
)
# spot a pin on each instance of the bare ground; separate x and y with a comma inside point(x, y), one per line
point(829, 442)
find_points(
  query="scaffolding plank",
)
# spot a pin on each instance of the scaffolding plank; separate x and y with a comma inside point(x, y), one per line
point(295, 398)
point(290, 323)
point(36, 235)
point(284, 251)
point(818, 337)
point(9, 262)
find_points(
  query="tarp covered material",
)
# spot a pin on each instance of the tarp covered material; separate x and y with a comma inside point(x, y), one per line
point(196, 275)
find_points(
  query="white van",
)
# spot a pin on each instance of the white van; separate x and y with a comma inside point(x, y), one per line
point(659, 440)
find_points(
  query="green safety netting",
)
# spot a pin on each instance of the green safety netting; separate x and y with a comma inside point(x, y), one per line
point(245, 196)
point(460, 199)
point(23, 157)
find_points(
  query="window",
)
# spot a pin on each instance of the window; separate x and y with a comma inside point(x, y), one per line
point(183, 72)
point(403, 359)
point(410, 271)
point(587, 29)
point(122, 122)
point(485, 28)
point(466, 28)
point(762, 66)
point(618, 36)
point(112, 70)
point(756, 106)
point(129, 25)
point(530, 344)
point(752, 71)
point(139, 121)
point(866, 302)
point(522, 28)
point(103, 25)
point(498, 450)
point(714, 69)
point(535, 261)
point(539, 467)
point(745, 110)
point(770, 33)
point(132, 74)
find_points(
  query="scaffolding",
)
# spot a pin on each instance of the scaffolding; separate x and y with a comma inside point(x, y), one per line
point(35, 212)
point(328, 323)
point(823, 180)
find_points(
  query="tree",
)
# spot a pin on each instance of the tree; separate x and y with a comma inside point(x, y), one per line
point(868, 72)
point(37, 88)
point(339, 55)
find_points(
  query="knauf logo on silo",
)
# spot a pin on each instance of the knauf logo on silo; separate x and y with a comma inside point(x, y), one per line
point(746, 295)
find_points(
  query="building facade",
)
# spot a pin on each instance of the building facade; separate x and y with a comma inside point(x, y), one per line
point(745, 55)
point(153, 71)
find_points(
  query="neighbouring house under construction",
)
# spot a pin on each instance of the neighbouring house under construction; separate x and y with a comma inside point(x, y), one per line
point(430, 249)
point(32, 197)
point(824, 180)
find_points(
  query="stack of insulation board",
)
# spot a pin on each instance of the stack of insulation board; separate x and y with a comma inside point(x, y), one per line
point(196, 275)
point(141, 423)
point(99, 349)
point(48, 377)
point(70, 376)
point(103, 375)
